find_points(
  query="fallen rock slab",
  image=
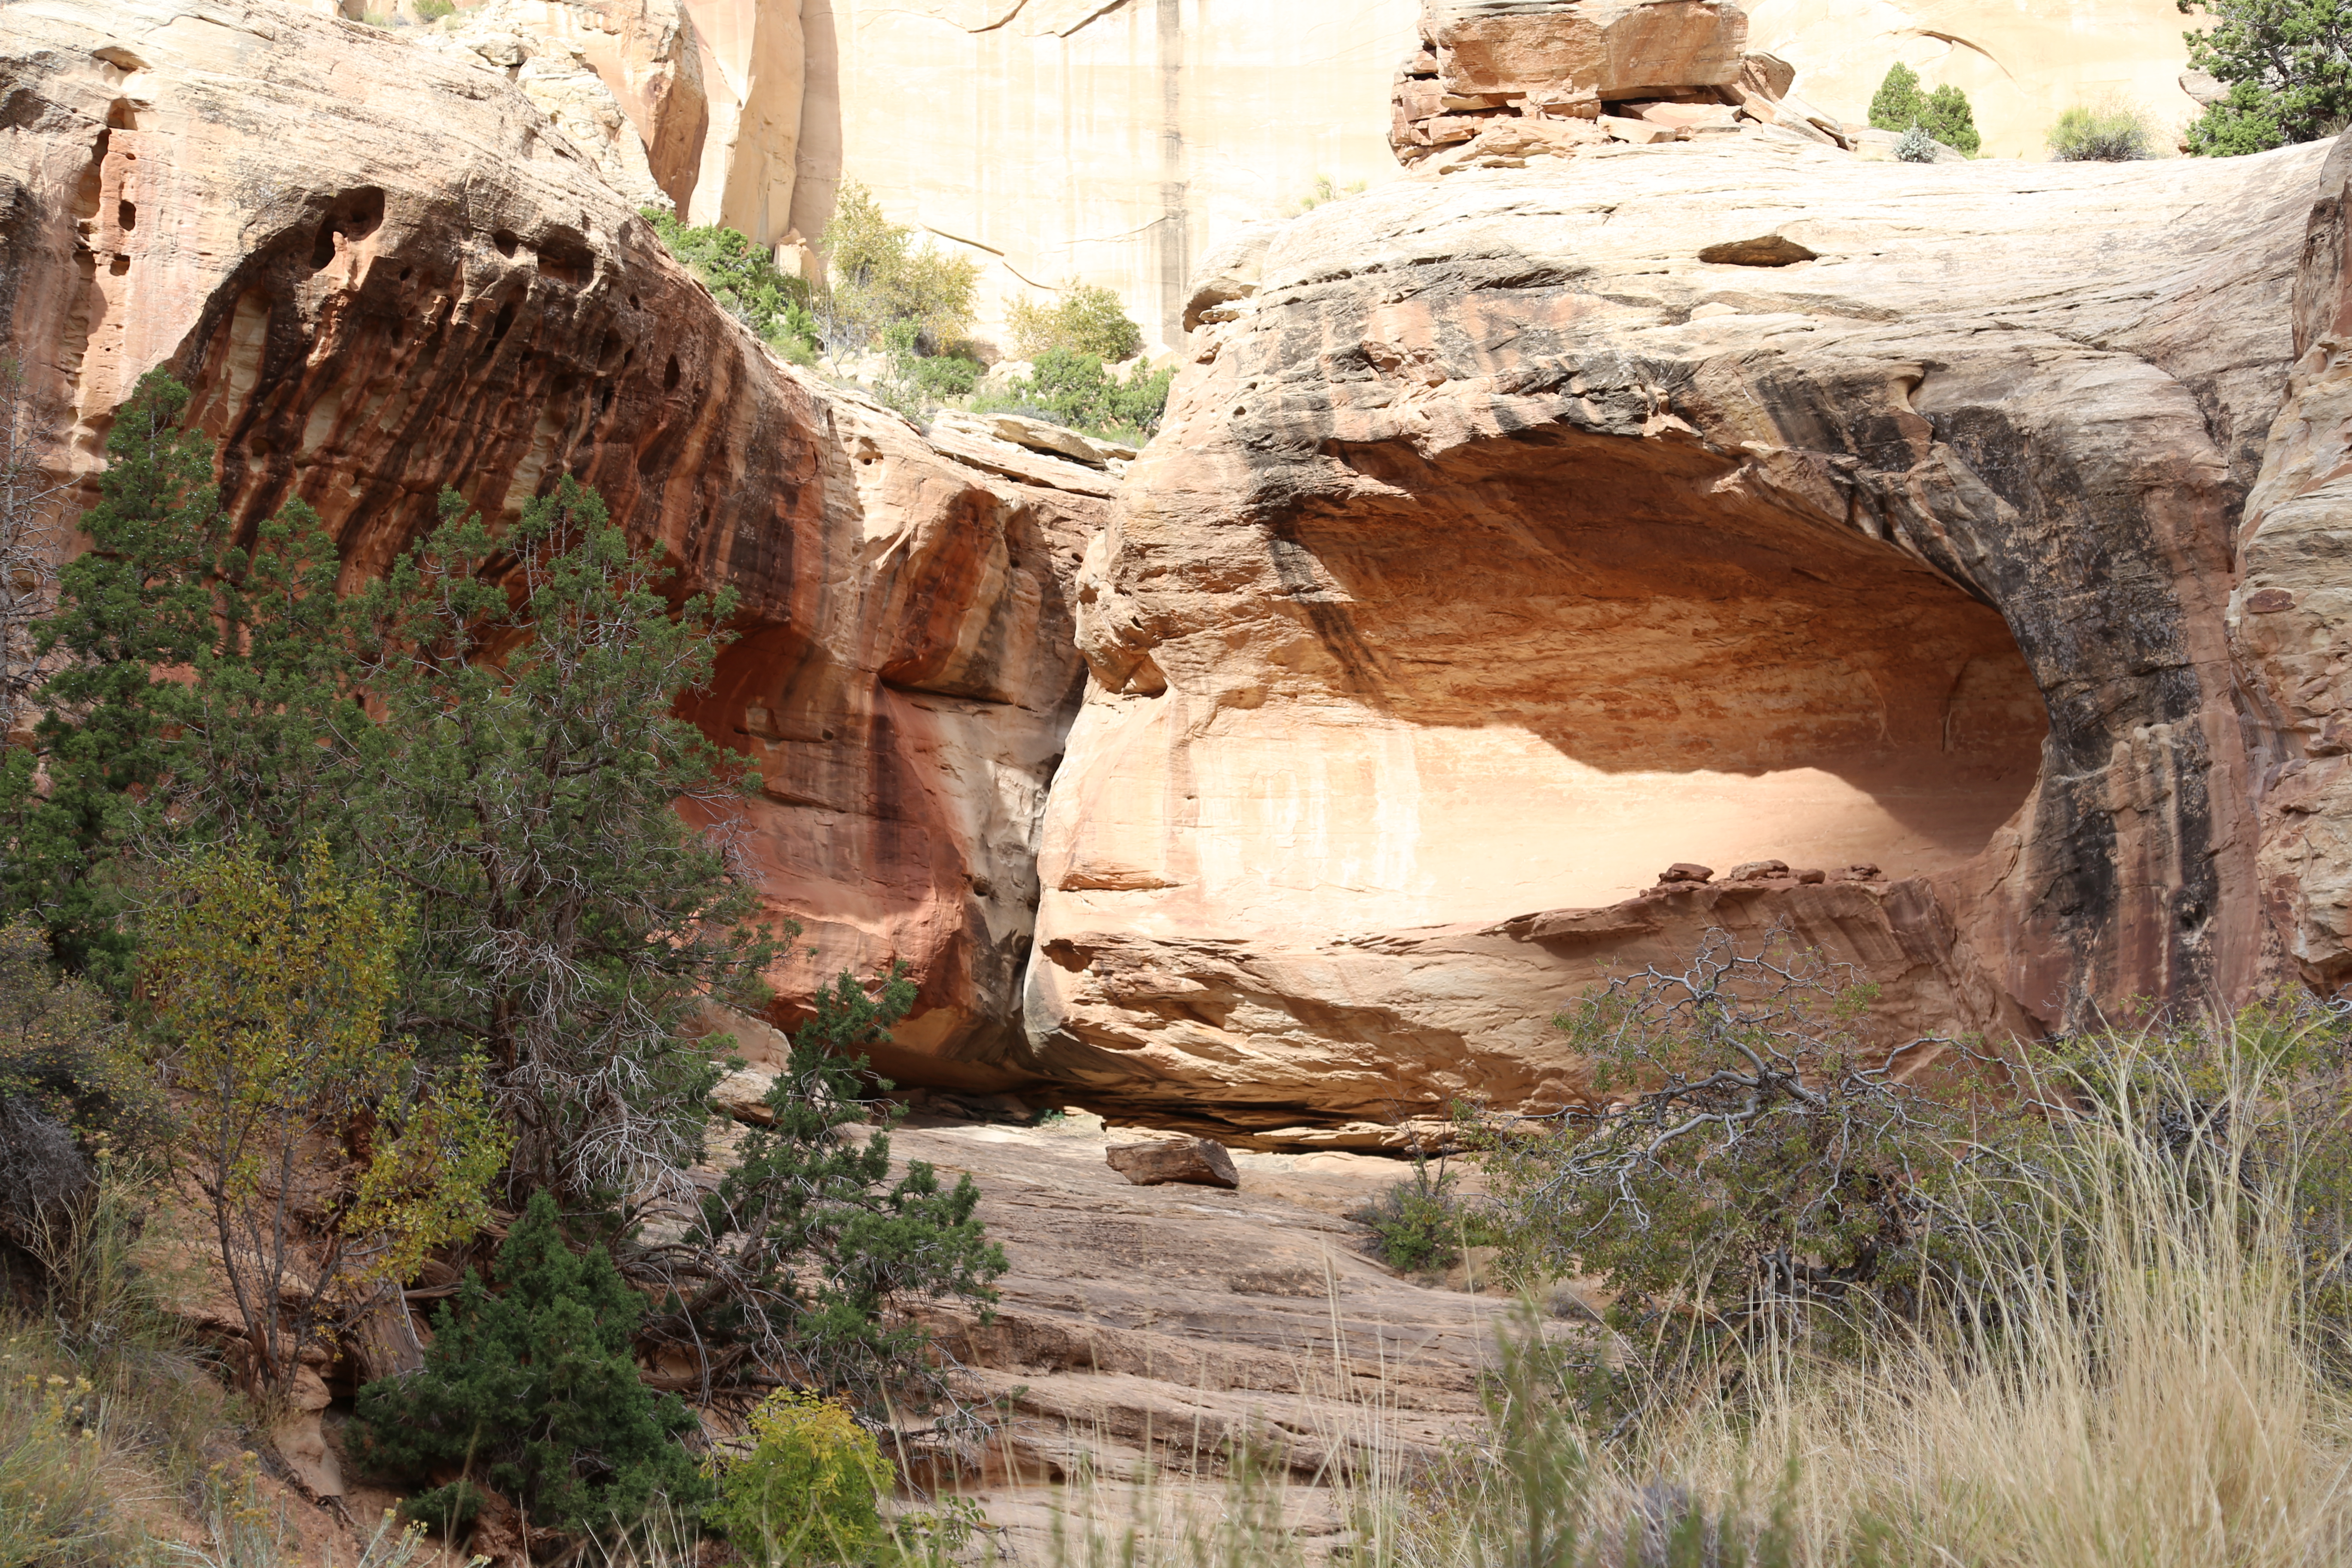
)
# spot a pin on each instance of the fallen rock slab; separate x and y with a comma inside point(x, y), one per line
point(1159, 1160)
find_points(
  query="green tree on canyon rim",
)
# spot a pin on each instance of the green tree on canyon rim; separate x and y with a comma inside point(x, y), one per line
point(2287, 66)
point(1943, 113)
point(487, 735)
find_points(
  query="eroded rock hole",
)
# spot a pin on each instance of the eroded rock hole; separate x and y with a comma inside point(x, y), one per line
point(120, 116)
point(353, 216)
point(505, 242)
point(567, 259)
point(504, 320)
point(118, 265)
point(126, 215)
point(669, 376)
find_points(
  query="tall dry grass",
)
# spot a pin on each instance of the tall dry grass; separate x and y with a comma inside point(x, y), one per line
point(2153, 1380)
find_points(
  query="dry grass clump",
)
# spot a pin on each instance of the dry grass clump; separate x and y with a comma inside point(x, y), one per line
point(2149, 1372)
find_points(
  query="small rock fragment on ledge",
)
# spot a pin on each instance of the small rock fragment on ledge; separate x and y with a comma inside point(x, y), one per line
point(1685, 871)
point(1150, 1163)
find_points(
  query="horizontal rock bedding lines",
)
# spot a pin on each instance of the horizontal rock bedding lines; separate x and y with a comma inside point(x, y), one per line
point(1994, 432)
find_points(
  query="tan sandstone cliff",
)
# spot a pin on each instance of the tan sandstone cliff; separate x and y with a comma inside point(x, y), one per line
point(1121, 141)
point(1519, 532)
point(384, 271)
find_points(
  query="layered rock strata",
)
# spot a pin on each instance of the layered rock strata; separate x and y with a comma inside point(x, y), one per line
point(1519, 533)
point(384, 272)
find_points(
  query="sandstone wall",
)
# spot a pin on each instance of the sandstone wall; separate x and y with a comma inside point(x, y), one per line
point(2022, 62)
point(384, 271)
point(1108, 140)
point(1520, 534)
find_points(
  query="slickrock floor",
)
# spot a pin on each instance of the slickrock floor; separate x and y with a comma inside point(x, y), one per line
point(1141, 1330)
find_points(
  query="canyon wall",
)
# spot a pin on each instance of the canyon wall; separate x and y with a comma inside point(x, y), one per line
point(1519, 532)
point(2022, 62)
point(1120, 142)
point(383, 270)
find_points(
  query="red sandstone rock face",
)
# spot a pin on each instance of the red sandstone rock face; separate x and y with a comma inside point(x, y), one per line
point(1514, 541)
point(2291, 618)
point(384, 273)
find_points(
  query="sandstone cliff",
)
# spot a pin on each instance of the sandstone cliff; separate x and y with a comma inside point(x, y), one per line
point(1520, 531)
point(384, 271)
point(1121, 141)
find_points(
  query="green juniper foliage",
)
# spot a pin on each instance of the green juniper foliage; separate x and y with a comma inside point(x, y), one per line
point(812, 1251)
point(1899, 104)
point(2288, 67)
point(1077, 390)
point(532, 1392)
point(746, 281)
point(569, 920)
point(257, 747)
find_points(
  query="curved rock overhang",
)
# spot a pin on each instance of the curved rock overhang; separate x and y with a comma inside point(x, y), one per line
point(1501, 551)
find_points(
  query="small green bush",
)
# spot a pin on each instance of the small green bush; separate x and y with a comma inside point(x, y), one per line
point(1948, 118)
point(2109, 134)
point(433, 10)
point(1088, 319)
point(1077, 390)
point(810, 1488)
point(880, 277)
point(1420, 1227)
point(534, 1393)
point(1944, 114)
point(1898, 103)
point(916, 383)
point(746, 281)
point(1325, 190)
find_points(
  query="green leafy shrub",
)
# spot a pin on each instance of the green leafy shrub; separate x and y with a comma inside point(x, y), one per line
point(879, 276)
point(817, 1260)
point(1079, 391)
point(2107, 133)
point(532, 1392)
point(746, 281)
point(433, 10)
point(1944, 114)
point(1088, 319)
point(810, 1488)
point(2288, 67)
point(1898, 103)
point(1325, 190)
point(1419, 1226)
point(1948, 119)
point(916, 383)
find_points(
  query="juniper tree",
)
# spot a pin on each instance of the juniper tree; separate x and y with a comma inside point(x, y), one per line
point(2287, 64)
point(201, 693)
point(808, 1257)
point(569, 920)
point(532, 1391)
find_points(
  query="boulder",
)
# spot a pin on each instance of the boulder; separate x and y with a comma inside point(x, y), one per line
point(1156, 1162)
point(1615, 49)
